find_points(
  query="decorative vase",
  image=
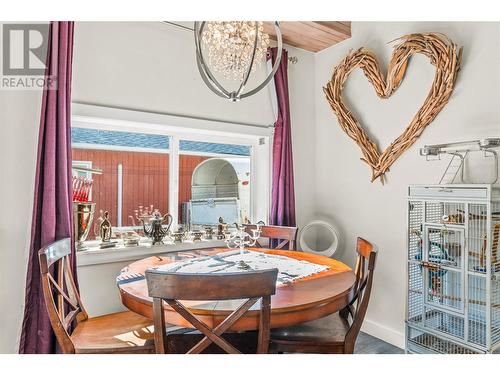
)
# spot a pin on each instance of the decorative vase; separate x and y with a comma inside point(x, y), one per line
point(83, 215)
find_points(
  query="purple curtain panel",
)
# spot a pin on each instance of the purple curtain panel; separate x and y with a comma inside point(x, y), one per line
point(52, 206)
point(283, 192)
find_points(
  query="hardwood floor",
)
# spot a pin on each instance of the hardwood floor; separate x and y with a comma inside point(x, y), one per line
point(366, 344)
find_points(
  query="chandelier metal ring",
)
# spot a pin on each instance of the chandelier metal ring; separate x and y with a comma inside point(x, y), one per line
point(212, 82)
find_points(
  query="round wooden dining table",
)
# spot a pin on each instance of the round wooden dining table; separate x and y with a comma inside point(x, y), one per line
point(306, 299)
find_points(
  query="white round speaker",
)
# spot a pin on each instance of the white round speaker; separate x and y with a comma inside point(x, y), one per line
point(320, 238)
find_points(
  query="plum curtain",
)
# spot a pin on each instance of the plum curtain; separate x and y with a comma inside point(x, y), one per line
point(283, 192)
point(52, 206)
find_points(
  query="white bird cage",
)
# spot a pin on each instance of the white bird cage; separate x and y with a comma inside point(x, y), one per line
point(453, 291)
point(220, 188)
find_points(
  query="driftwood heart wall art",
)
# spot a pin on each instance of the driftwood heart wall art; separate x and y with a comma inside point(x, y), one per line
point(442, 53)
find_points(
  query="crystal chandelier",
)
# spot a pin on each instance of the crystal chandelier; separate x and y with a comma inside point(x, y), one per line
point(230, 47)
point(234, 49)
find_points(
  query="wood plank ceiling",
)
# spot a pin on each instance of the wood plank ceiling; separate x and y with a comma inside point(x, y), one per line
point(312, 36)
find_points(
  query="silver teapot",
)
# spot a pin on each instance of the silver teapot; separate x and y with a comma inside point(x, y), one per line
point(155, 229)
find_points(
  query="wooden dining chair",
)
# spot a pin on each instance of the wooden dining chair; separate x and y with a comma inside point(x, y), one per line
point(278, 237)
point(335, 333)
point(123, 332)
point(172, 287)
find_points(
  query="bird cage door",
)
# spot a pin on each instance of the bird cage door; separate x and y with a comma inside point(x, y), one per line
point(443, 266)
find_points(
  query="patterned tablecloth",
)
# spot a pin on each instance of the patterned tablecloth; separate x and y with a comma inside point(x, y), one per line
point(290, 269)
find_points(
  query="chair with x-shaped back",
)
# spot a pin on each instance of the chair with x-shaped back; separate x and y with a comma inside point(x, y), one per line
point(335, 333)
point(277, 237)
point(123, 332)
point(172, 287)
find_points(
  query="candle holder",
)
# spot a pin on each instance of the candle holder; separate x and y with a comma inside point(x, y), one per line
point(240, 239)
point(145, 214)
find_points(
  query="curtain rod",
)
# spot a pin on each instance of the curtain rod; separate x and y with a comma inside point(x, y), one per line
point(291, 59)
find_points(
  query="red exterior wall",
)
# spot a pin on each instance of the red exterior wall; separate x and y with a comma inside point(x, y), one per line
point(145, 180)
point(187, 165)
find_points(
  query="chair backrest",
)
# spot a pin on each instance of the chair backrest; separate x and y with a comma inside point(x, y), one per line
point(60, 293)
point(281, 236)
point(365, 266)
point(172, 287)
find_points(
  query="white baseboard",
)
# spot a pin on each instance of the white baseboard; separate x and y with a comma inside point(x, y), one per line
point(389, 335)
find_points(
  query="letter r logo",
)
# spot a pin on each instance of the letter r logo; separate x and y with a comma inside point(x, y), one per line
point(24, 48)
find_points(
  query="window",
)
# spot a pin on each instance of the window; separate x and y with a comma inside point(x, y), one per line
point(82, 164)
point(214, 181)
point(195, 175)
point(134, 172)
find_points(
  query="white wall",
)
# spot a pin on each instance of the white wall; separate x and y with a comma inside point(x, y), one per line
point(98, 286)
point(20, 115)
point(19, 120)
point(343, 189)
point(151, 66)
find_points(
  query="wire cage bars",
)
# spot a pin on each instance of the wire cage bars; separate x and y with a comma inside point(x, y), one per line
point(453, 294)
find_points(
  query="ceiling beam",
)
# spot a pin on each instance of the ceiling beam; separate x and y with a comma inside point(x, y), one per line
point(312, 36)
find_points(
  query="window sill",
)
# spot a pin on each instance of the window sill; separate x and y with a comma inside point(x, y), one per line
point(94, 255)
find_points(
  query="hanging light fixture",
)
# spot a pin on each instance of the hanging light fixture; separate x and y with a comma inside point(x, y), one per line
point(235, 49)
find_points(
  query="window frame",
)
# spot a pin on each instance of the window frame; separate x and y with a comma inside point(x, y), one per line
point(258, 138)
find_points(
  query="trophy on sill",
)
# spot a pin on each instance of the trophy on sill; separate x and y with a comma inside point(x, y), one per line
point(155, 229)
point(83, 209)
point(83, 215)
point(221, 229)
point(105, 232)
